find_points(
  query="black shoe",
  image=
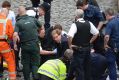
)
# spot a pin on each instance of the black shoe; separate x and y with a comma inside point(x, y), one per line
point(18, 74)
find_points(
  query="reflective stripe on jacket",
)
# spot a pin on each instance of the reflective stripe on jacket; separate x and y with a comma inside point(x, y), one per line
point(3, 29)
point(54, 69)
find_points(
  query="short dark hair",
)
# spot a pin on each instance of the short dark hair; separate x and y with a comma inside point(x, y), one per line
point(6, 4)
point(81, 3)
point(109, 11)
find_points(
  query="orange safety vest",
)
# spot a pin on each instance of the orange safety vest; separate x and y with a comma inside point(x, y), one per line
point(6, 28)
point(6, 31)
point(3, 29)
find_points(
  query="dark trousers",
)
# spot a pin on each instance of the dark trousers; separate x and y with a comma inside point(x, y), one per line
point(47, 20)
point(43, 77)
point(47, 16)
point(111, 64)
point(117, 59)
point(99, 44)
point(17, 58)
point(81, 65)
point(1, 67)
point(35, 3)
point(30, 58)
point(99, 66)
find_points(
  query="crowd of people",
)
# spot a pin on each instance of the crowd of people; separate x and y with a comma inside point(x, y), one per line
point(89, 51)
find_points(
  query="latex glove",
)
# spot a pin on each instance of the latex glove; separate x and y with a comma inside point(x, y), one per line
point(55, 51)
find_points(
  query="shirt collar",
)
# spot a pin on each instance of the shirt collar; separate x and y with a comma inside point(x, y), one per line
point(80, 19)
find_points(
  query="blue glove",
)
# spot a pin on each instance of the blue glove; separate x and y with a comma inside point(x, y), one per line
point(55, 51)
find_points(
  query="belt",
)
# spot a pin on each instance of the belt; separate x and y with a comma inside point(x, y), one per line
point(3, 40)
point(79, 47)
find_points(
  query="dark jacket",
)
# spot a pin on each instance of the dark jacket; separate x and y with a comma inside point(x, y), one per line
point(27, 27)
point(61, 47)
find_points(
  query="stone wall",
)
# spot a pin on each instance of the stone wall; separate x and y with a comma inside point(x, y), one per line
point(62, 11)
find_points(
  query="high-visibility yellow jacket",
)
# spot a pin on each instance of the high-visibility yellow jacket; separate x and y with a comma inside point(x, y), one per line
point(54, 69)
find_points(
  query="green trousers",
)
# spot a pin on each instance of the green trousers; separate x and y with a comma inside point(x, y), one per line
point(30, 59)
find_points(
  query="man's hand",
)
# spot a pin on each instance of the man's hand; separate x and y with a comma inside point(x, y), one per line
point(106, 47)
point(16, 37)
point(15, 47)
point(15, 40)
point(106, 40)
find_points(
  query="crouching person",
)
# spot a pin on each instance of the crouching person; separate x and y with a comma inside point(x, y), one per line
point(55, 69)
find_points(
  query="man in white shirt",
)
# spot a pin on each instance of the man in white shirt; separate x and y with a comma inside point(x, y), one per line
point(80, 40)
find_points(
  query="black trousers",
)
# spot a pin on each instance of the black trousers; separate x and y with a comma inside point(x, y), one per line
point(47, 16)
point(98, 44)
point(30, 59)
point(43, 77)
point(17, 58)
point(99, 66)
point(81, 65)
point(117, 59)
point(35, 3)
point(1, 66)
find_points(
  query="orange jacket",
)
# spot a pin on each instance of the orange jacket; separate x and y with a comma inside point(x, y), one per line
point(8, 27)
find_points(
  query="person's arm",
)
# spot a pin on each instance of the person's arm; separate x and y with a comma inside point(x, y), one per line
point(106, 40)
point(93, 38)
point(45, 52)
point(16, 36)
point(69, 41)
point(107, 35)
point(94, 32)
point(100, 25)
point(71, 34)
point(15, 40)
point(100, 17)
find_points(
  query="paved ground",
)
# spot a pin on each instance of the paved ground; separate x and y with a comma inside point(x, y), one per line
point(21, 77)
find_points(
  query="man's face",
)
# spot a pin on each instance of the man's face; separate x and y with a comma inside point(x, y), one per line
point(57, 38)
point(41, 12)
point(107, 17)
point(42, 32)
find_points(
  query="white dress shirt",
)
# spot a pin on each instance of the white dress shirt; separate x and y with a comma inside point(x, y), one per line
point(11, 16)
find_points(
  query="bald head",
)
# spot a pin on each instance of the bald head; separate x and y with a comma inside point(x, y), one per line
point(21, 10)
point(4, 11)
point(79, 13)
